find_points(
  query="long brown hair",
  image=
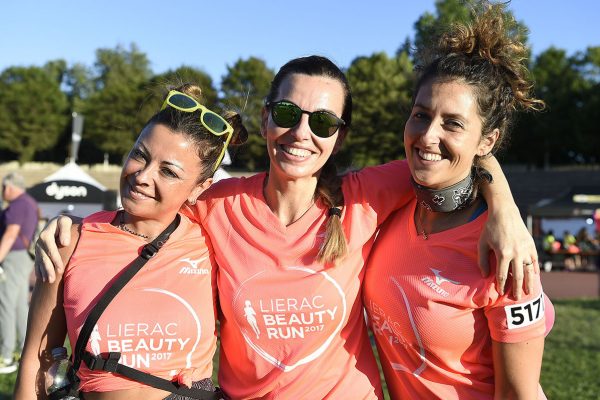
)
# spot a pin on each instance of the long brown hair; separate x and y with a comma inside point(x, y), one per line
point(329, 185)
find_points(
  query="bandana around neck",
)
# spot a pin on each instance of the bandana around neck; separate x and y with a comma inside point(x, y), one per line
point(452, 198)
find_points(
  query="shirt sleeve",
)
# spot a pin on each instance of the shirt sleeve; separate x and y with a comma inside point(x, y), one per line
point(217, 193)
point(15, 214)
point(383, 188)
point(512, 321)
point(196, 212)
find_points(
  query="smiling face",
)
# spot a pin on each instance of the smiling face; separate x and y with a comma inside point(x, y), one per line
point(443, 134)
point(160, 174)
point(295, 152)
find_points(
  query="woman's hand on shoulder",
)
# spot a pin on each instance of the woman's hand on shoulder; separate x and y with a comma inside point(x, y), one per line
point(507, 236)
point(48, 258)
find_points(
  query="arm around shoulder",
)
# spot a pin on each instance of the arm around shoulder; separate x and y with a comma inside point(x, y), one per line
point(46, 329)
point(506, 234)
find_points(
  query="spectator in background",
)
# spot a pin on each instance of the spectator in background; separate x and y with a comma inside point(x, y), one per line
point(551, 245)
point(17, 226)
point(588, 246)
point(569, 243)
point(584, 240)
point(549, 241)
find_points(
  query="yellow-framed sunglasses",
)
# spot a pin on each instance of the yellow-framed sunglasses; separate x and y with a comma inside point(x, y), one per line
point(212, 121)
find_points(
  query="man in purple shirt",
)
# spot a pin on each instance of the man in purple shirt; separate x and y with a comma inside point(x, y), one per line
point(17, 226)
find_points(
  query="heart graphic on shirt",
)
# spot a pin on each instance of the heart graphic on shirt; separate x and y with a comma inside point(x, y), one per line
point(295, 320)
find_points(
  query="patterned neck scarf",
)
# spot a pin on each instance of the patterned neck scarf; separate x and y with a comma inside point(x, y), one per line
point(452, 198)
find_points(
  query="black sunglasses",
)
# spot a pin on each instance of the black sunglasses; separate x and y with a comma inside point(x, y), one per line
point(286, 115)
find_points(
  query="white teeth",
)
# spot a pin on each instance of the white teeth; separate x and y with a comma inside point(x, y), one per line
point(295, 151)
point(430, 156)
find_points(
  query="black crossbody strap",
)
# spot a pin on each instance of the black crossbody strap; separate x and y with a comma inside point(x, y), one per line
point(111, 364)
point(147, 252)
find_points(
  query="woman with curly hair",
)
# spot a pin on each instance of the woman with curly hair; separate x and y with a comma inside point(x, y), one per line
point(442, 331)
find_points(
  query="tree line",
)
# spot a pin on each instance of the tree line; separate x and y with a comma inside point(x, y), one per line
point(119, 92)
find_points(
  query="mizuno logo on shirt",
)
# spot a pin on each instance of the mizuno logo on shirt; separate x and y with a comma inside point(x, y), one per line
point(436, 284)
point(192, 268)
point(439, 279)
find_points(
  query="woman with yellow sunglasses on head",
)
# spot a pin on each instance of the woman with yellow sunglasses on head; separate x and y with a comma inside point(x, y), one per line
point(162, 322)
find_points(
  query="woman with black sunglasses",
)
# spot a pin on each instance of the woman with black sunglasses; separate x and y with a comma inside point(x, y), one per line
point(291, 246)
point(162, 322)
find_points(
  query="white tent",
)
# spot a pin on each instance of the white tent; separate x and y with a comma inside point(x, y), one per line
point(73, 172)
point(70, 190)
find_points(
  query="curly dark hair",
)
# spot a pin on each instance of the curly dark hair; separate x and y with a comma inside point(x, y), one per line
point(487, 54)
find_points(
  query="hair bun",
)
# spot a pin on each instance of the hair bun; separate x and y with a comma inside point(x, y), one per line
point(493, 37)
point(191, 90)
point(240, 133)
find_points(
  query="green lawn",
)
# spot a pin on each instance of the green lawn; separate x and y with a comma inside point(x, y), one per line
point(571, 359)
point(571, 368)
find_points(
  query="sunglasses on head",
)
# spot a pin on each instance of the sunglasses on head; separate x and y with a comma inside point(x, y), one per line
point(212, 121)
point(286, 114)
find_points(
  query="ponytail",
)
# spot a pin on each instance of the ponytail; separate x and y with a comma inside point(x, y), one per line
point(329, 190)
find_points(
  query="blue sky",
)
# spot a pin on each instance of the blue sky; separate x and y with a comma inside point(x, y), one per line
point(213, 34)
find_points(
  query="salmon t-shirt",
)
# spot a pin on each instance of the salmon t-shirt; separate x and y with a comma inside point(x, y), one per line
point(291, 327)
point(163, 320)
point(434, 316)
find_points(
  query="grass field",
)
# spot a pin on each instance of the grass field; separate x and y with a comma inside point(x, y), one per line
point(571, 359)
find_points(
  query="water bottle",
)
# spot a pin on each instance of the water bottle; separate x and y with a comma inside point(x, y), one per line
point(57, 377)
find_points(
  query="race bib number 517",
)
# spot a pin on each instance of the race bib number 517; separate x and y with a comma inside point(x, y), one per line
point(525, 314)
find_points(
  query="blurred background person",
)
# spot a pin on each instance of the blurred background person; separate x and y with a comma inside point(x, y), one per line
point(17, 226)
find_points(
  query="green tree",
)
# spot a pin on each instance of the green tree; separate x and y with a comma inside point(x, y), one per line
point(244, 87)
point(429, 26)
point(32, 110)
point(381, 93)
point(155, 89)
point(560, 85)
point(113, 118)
point(76, 82)
point(57, 69)
point(79, 85)
point(588, 119)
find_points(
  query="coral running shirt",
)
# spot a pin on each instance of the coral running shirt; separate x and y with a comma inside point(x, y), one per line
point(162, 321)
point(434, 316)
point(293, 328)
